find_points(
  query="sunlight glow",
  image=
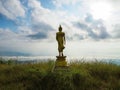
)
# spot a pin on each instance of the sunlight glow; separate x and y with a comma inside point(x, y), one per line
point(101, 10)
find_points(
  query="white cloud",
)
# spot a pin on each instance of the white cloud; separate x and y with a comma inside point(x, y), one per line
point(25, 30)
point(6, 34)
point(93, 49)
point(53, 18)
point(50, 17)
point(44, 20)
point(12, 9)
point(59, 3)
point(15, 42)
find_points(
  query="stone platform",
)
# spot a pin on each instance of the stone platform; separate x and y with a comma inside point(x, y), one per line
point(60, 64)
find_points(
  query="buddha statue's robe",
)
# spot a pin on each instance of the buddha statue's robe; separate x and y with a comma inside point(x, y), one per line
point(60, 38)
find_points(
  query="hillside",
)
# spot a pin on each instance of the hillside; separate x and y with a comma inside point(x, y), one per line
point(81, 76)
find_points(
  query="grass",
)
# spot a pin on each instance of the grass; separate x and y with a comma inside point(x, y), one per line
point(82, 76)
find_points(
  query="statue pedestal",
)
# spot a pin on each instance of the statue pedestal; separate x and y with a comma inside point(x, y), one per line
point(60, 63)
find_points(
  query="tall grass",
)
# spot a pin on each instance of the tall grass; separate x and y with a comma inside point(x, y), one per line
point(81, 76)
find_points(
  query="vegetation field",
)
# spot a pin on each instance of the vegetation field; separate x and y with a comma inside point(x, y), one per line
point(80, 76)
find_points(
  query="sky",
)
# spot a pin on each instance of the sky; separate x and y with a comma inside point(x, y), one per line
point(28, 27)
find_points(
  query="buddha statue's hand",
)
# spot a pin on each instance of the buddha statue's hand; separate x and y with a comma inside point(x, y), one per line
point(64, 42)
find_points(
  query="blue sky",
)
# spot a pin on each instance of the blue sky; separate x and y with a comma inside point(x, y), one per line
point(28, 27)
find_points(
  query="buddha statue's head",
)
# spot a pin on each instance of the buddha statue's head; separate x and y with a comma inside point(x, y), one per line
point(60, 28)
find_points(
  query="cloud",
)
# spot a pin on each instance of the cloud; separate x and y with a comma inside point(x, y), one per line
point(39, 15)
point(89, 18)
point(9, 40)
point(39, 35)
point(20, 44)
point(47, 16)
point(41, 26)
point(25, 30)
point(9, 53)
point(35, 32)
point(12, 9)
point(114, 2)
point(116, 31)
point(6, 34)
point(59, 3)
point(94, 28)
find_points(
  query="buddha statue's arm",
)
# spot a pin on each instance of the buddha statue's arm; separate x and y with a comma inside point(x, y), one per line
point(64, 39)
point(56, 37)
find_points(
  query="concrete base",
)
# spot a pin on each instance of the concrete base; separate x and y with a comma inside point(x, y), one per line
point(60, 64)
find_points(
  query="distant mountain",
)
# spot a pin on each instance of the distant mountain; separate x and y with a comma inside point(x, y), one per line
point(9, 53)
